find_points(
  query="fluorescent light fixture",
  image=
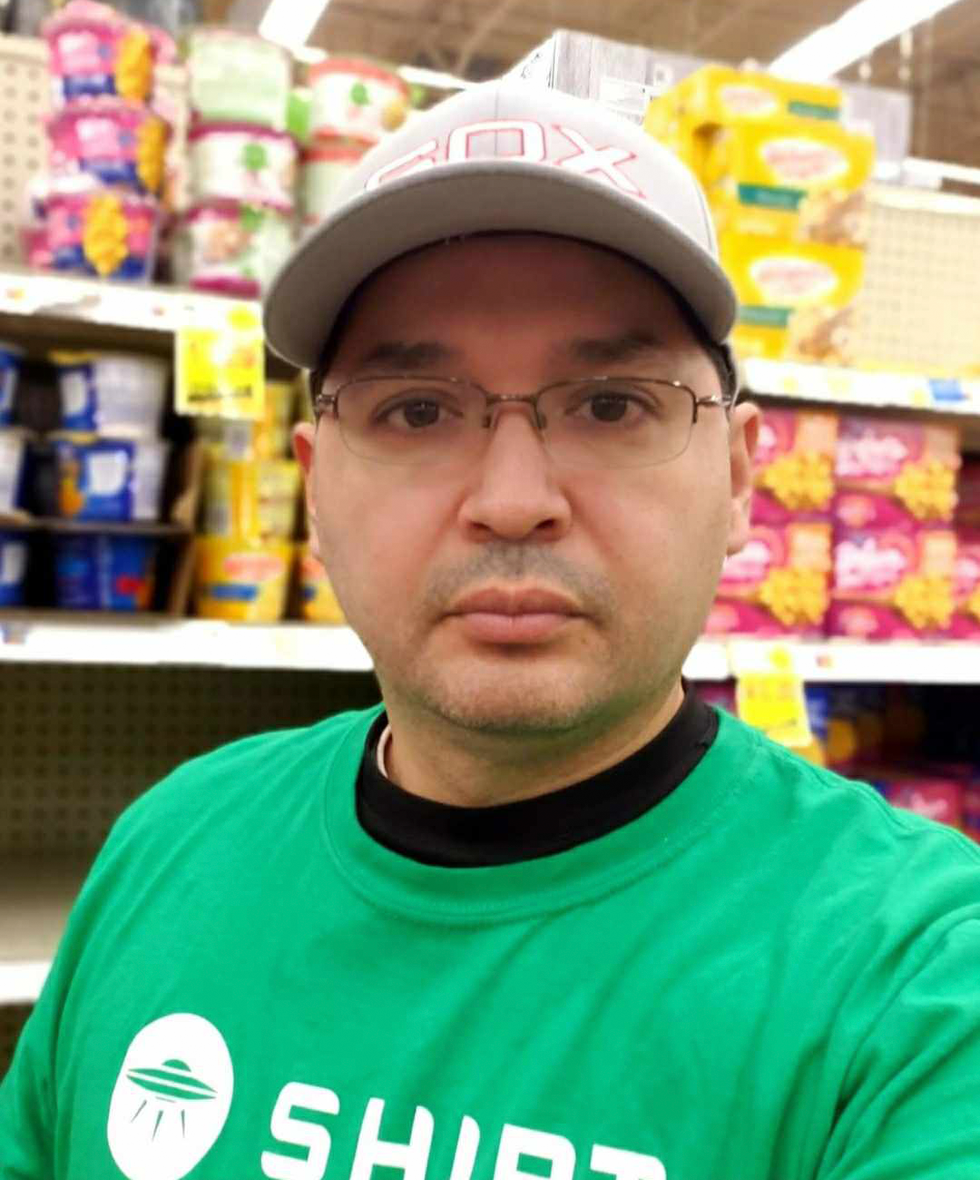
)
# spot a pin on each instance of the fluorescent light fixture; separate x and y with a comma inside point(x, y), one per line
point(941, 170)
point(290, 22)
point(435, 78)
point(862, 28)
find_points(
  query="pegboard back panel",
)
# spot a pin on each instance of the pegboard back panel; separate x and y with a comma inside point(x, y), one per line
point(80, 743)
point(920, 306)
point(23, 144)
point(24, 105)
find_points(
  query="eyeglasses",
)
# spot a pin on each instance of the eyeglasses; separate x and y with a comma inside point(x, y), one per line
point(594, 422)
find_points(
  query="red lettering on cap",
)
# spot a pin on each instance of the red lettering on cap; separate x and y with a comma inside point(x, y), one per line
point(460, 143)
point(417, 160)
point(605, 161)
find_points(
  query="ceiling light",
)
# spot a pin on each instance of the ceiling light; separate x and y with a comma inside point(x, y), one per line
point(941, 170)
point(290, 22)
point(862, 28)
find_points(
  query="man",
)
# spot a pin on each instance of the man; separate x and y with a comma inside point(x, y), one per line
point(545, 914)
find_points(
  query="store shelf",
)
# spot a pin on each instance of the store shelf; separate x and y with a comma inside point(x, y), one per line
point(47, 637)
point(35, 899)
point(858, 388)
point(56, 637)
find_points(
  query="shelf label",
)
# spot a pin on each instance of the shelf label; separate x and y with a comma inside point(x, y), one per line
point(220, 365)
point(769, 695)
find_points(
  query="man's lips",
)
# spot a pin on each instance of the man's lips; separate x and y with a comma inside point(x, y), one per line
point(529, 615)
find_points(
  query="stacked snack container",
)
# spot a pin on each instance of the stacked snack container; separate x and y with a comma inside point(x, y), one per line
point(101, 213)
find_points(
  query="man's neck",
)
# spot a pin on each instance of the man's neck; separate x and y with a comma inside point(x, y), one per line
point(442, 762)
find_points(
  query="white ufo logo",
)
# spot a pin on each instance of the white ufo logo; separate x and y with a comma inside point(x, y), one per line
point(171, 1082)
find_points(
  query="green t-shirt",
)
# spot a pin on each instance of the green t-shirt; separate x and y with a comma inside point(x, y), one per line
point(771, 975)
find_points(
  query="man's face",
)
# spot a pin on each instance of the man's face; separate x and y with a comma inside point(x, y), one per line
point(633, 553)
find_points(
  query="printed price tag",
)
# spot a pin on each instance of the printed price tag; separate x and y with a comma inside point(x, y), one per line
point(770, 697)
point(220, 365)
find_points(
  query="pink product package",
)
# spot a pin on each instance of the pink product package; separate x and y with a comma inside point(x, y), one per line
point(968, 487)
point(94, 52)
point(793, 466)
point(966, 585)
point(939, 799)
point(117, 143)
point(105, 232)
point(892, 583)
point(889, 473)
point(777, 585)
point(971, 809)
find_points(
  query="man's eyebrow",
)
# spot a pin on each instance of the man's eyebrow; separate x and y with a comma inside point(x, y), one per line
point(613, 349)
point(400, 356)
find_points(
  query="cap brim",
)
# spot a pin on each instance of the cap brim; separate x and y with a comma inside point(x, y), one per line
point(469, 198)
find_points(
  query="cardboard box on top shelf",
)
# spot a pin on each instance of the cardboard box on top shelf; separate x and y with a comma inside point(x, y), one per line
point(722, 96)
point(796, 299)
point(784, 178)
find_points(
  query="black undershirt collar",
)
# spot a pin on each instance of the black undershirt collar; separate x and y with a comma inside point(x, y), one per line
point(468, 837)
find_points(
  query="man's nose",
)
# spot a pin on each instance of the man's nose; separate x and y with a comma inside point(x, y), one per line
point(515, 493)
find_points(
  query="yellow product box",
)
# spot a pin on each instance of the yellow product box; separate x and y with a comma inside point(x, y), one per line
point(790, 179)
point(242, 580)
point(722, 95)
point(796, 299)
point(317, 600)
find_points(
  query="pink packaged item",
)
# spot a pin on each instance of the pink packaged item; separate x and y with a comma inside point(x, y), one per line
point(34, 245)
point(93, 52)
point(968, 495)
point(966, 585)
point(891, 473)
point(106, 232)
point(971, 809)
point(939, 799)
point(237, 162)
point(777, 585)
point(231, 248)
point(892, 583)
point(118, 144)
point(794, 466)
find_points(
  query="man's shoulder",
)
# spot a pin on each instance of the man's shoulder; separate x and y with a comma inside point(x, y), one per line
point(846, 832)
point(241, 775)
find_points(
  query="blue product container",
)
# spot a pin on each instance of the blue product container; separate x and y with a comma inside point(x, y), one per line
point(109, 479)
point(13, 568)
point(11, 358)
point(102, 571)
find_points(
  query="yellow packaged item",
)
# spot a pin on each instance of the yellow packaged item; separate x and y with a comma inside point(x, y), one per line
point(796, 299)
point(242, 580)
point(245, 438)
point(788, 179)
point(318, 603)
point(257, 498)
point(723, 95)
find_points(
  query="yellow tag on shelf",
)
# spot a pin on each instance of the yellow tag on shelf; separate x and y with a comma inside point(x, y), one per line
point(220, 365)
point(771, 698)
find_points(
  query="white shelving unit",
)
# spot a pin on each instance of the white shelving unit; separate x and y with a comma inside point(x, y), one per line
point(51, 638)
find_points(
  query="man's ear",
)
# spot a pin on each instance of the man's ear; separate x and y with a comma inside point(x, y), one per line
point(304, 437)
point(743, 437)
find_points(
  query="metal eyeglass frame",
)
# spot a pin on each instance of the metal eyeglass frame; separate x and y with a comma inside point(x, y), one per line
point(330, 401)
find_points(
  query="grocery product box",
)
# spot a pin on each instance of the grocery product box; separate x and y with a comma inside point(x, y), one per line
point(891, 472)
point(892, 583)
point(939, 799)
point(796, 299)
point(794, 466)
point(777, 585)
point(965, 623)
point(968, 494)
point(781, 178)
point(722, 94)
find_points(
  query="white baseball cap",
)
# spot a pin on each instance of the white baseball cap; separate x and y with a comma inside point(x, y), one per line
point(503, 157)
